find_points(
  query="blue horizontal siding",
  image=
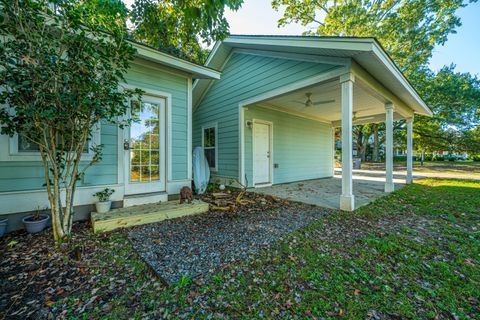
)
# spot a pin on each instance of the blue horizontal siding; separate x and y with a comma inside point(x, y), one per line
point(302, 148)
point(244, 77)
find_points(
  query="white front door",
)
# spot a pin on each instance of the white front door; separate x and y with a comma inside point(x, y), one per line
point(145, 147)
point(262, 153)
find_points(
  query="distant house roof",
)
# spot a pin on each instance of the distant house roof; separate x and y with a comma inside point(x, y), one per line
point(197, 71)
point(367, 52)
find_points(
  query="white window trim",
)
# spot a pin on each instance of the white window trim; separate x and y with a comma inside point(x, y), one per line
point(209, 126)
point(9, 148)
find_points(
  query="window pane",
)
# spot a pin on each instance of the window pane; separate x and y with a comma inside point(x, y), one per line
point(155, 157)
point(145, 173)
point(135, 155)
point(135, 173)
point(155, 173)
point(210, 155)
point(26, 146)
point(209, 137)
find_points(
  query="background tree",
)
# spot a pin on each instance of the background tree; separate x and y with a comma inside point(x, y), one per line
point(60, 72)
point(180, 27)
point(409, 30)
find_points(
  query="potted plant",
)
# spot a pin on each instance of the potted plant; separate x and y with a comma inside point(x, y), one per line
point(36, 222)
point(3, 226)
point(104, 203)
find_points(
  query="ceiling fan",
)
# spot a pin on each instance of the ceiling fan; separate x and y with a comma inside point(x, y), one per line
point(309, 103)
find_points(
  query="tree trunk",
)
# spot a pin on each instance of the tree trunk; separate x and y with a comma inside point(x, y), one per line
point(375, 143)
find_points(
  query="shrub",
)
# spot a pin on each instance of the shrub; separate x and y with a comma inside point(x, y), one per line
point(438, 158)
point(400, 158)
point(475, 157)
point(428, 157)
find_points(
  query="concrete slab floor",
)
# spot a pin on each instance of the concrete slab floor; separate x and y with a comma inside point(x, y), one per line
point(326, 192)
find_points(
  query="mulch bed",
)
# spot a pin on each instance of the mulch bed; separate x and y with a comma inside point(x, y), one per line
point(191, 246)
point(36, 276)
point(41, 280)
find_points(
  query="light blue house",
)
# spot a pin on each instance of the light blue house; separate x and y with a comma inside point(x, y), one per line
point(270, 119)
point(264, 108)
point(137, 173)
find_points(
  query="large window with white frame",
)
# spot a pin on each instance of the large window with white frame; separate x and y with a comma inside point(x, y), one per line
point(210, 145)
point(17, 148)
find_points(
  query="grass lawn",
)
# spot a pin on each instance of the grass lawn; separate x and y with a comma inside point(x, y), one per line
point(413, 254)
point(456, 167)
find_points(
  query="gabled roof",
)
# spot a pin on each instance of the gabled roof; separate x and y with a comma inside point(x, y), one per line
point(197, 71)
point(366, 52)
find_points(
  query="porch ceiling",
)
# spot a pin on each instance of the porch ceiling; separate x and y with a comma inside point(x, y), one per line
point(367, 107)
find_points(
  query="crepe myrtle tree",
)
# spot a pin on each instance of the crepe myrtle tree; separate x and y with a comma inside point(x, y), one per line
point(61, 73)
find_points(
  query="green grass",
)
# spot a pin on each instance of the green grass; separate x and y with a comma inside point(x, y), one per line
point(418, 259)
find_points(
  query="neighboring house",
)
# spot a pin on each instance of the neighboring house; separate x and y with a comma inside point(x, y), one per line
point(271, 117)
point(137, 174)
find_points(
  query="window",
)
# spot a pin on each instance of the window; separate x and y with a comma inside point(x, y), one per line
point(17, 148)
point(210, 145)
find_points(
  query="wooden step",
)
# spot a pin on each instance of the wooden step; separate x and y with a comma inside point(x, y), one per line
point(143, 214)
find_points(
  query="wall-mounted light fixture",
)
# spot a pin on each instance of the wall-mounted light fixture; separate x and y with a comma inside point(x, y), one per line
point(249, 124)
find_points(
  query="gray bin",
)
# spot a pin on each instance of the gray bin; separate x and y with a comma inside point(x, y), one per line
point(357, 163)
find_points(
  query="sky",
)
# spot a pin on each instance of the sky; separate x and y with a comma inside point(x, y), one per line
point(462, 48)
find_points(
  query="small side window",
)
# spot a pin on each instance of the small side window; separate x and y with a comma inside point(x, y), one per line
point(210, 146)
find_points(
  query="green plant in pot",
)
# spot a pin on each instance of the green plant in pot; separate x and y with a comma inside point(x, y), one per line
point(104, 203)
point(36, 222)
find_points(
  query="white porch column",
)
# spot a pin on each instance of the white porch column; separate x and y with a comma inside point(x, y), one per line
point(389, 187)
point(347, 200)
point(409, 178)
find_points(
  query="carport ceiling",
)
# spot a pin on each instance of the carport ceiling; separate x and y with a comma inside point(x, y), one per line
point(326, 100)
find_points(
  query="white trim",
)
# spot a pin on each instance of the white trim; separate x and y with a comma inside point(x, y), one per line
point(241, 147)
point(120, 156)
point(360, 49)
point(168, 110)
point(380, 53)
point(171, 61)
point(9, 148)
point(270, 147)
point(165, 152)
point(189, 129)
point(211, 125)
point(379, 90)
point(23, 201)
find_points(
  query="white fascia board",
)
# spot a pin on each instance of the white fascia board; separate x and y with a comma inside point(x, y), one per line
point(390, 65)
point(360, 44)
point(174, 62)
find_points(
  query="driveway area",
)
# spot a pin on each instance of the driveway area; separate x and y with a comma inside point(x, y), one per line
point(367, 186)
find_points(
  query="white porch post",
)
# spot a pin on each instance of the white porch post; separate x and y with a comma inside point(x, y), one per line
point(409, 178)
point(347, 200)
point(389, 187)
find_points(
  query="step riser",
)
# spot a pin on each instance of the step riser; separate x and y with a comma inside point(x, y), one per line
point(137, 201)
point(145, 214)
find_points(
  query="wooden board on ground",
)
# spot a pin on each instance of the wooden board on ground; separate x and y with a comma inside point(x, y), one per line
point(143, 214)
